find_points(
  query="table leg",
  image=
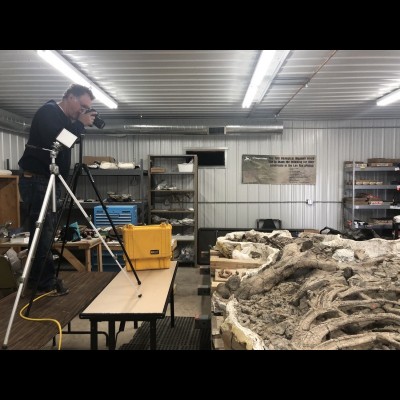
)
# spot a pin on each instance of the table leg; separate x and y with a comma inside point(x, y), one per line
point(111, 335)
point(99, 258)
point(153, 334)
point(93, 335)
point(88, 261)
point(172, 306)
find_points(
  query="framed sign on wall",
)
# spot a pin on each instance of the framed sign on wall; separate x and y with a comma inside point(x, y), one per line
point(278, 170)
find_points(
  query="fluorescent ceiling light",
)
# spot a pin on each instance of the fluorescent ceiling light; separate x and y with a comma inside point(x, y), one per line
point(389, 98)
point(254, 129)
point(62, 65)
point(260, 72)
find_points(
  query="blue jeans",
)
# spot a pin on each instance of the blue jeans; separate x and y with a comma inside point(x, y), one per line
point(32, 191)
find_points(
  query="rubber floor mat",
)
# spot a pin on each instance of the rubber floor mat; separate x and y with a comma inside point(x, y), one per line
point(182, 337)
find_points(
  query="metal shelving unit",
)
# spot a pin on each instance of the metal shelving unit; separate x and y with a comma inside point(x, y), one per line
point(138, 173)
point(177, 203)
point(384, 190)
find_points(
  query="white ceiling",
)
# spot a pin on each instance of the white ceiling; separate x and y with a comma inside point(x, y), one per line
point(210, 84)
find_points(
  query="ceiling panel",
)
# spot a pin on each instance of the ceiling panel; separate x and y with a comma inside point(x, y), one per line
point(202, 84)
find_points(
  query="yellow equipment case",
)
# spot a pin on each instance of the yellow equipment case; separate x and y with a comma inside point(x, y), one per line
point(148, 247)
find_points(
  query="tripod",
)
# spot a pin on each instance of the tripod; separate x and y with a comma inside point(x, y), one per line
point(51, 194)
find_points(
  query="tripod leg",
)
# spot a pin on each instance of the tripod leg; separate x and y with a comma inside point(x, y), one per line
point(31, 253)
point(98, 233)
point(74, 183)
point(110, 220)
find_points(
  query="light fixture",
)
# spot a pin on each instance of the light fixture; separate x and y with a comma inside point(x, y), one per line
point(62, 65)
point(253, 129)
point(260, 72)
point(389, 98)
point(268, 66)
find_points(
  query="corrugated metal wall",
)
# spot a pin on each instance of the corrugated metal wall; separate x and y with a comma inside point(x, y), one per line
point(223, 200)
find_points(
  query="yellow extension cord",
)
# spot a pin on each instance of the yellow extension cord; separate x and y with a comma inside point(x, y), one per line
point(42, 319)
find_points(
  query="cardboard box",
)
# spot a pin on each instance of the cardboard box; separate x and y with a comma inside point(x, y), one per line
point(88, 160)
point(157, 170)
point(357, 164)
point(185, 167)
point(380, 164)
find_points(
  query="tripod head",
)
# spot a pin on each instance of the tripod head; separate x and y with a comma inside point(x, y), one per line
point(64, 138)
point(55, 149)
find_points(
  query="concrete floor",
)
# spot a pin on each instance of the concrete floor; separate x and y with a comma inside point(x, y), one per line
point(187, 304)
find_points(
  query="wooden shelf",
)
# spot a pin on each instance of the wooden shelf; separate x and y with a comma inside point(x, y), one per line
point(372, 187)
point(9, 200)
point(183, 211)
point(172, 173)
point(370, 207)
point(172, 191)
point(92, 204)
point(372, 169)
point(114, 172)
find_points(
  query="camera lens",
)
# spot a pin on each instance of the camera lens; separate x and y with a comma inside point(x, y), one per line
point(98, 122)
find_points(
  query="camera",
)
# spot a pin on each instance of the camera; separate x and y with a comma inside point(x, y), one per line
point(98, 122)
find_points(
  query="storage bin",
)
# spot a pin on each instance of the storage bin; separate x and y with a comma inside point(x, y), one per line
point(148, 247)
point(185, 167)
point(120, 215)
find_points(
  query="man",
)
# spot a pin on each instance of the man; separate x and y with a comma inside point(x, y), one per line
point(48, 122)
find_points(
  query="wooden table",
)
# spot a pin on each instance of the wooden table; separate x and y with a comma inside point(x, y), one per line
point(85, 244)
point(30, 335)
point(120, 301)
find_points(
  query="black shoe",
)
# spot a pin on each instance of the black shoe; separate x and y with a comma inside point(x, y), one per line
point(59, 290)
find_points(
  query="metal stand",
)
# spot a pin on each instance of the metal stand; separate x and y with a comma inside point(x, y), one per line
point(76, 173)
point(51, 193)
